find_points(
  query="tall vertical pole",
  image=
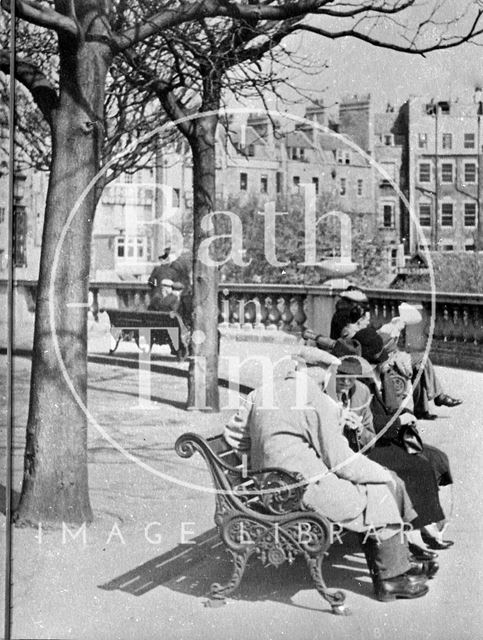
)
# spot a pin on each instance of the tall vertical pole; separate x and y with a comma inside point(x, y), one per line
point(10, 321)
point(434, 227)
point(478, 239)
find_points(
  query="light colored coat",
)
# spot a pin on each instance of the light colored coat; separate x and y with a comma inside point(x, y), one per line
point(302, 432)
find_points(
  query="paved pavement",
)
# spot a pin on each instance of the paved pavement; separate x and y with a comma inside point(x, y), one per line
point(135, 575)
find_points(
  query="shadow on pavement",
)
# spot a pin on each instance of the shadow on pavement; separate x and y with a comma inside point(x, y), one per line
point(191, 569)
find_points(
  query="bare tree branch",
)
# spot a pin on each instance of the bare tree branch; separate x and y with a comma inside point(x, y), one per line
point(42, 16)
point(40, 88)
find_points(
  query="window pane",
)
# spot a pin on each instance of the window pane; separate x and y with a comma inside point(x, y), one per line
point(424, 172)
point(446, 172)
point(447, 214)
point(387, 215)
point(470, 172)
point(342, 190)
point(470, 214)
point(422, 140)
point(447, 140)
point(425, 214)
point(469, 141)
point(243, 181)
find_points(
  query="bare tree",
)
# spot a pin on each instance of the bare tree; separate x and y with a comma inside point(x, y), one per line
point(89, 36)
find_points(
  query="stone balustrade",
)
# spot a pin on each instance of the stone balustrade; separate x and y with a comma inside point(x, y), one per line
point(455, 320)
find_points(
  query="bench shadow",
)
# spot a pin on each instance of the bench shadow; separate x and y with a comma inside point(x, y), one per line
point(191, 569)
point(135, 394)
point(3, 499)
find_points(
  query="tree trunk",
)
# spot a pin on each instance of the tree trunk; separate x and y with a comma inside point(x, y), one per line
point(203, 370)
point(55, 487)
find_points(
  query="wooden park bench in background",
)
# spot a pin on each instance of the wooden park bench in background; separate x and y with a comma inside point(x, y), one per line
point(157, 327)
point(261, 513)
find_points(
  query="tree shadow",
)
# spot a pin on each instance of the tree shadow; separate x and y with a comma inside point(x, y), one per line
point(3, 499)
point(191, 569)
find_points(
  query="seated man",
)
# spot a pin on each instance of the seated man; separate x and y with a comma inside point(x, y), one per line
point(164, 299)
point(290, 423)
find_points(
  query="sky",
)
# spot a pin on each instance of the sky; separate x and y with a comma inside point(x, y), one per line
point(390, 76)
point(356, 67)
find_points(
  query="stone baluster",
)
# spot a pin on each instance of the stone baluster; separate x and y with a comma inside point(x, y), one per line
point(273, 318)
point(286, 315)
point(299, 315)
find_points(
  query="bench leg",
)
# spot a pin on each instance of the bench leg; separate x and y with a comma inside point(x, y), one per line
point(118, 340)
point(336, 599)
point(220, 591)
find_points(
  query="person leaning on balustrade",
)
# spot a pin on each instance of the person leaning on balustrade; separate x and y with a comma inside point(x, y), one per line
point(300, 430)
point(352, 314)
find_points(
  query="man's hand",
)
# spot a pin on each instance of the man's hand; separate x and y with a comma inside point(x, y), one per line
point(407, 418)
point(351, 420)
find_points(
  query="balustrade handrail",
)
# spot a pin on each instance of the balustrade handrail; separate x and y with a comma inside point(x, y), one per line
point(408, 295)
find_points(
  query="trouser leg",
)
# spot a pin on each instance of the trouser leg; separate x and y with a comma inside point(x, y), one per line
point(386, 558)
point(429, 379)
point(420, 397)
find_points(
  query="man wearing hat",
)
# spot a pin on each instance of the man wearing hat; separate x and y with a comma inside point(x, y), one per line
point(293, 425)
point(163, 298)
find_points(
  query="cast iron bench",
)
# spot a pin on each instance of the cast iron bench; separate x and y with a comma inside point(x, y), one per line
point(159, 327)
point(261, 513)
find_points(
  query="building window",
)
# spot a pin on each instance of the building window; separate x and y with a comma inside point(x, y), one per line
point(447, 214)
point(296, 184)
point(279, 181)
point(447, 247)
point(264, 184)
point(302, 153)
point(243, 181)
point(295, 155)
point(389, 140)
point(424, 172)
point(388, 216)
point(469, 245)
point(425, 214)
point(423, 140)
point(120, 247)
point(176, 198)
point(469, 141)
point(251, 150)
point(133, 249)
point(360, 187)
point(343, 157)
point(315, 181)
point(128, 178)
point(343, 187)
point(470, 172)
point(446, 172)
point(447, 141)
point(2, 214)
point(470, 214)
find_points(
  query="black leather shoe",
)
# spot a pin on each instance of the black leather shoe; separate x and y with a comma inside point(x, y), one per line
point(421, 554)
point(446, 401)
point(428, 567)
point(403, 586)
point(438, 545)
point(426, 416)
